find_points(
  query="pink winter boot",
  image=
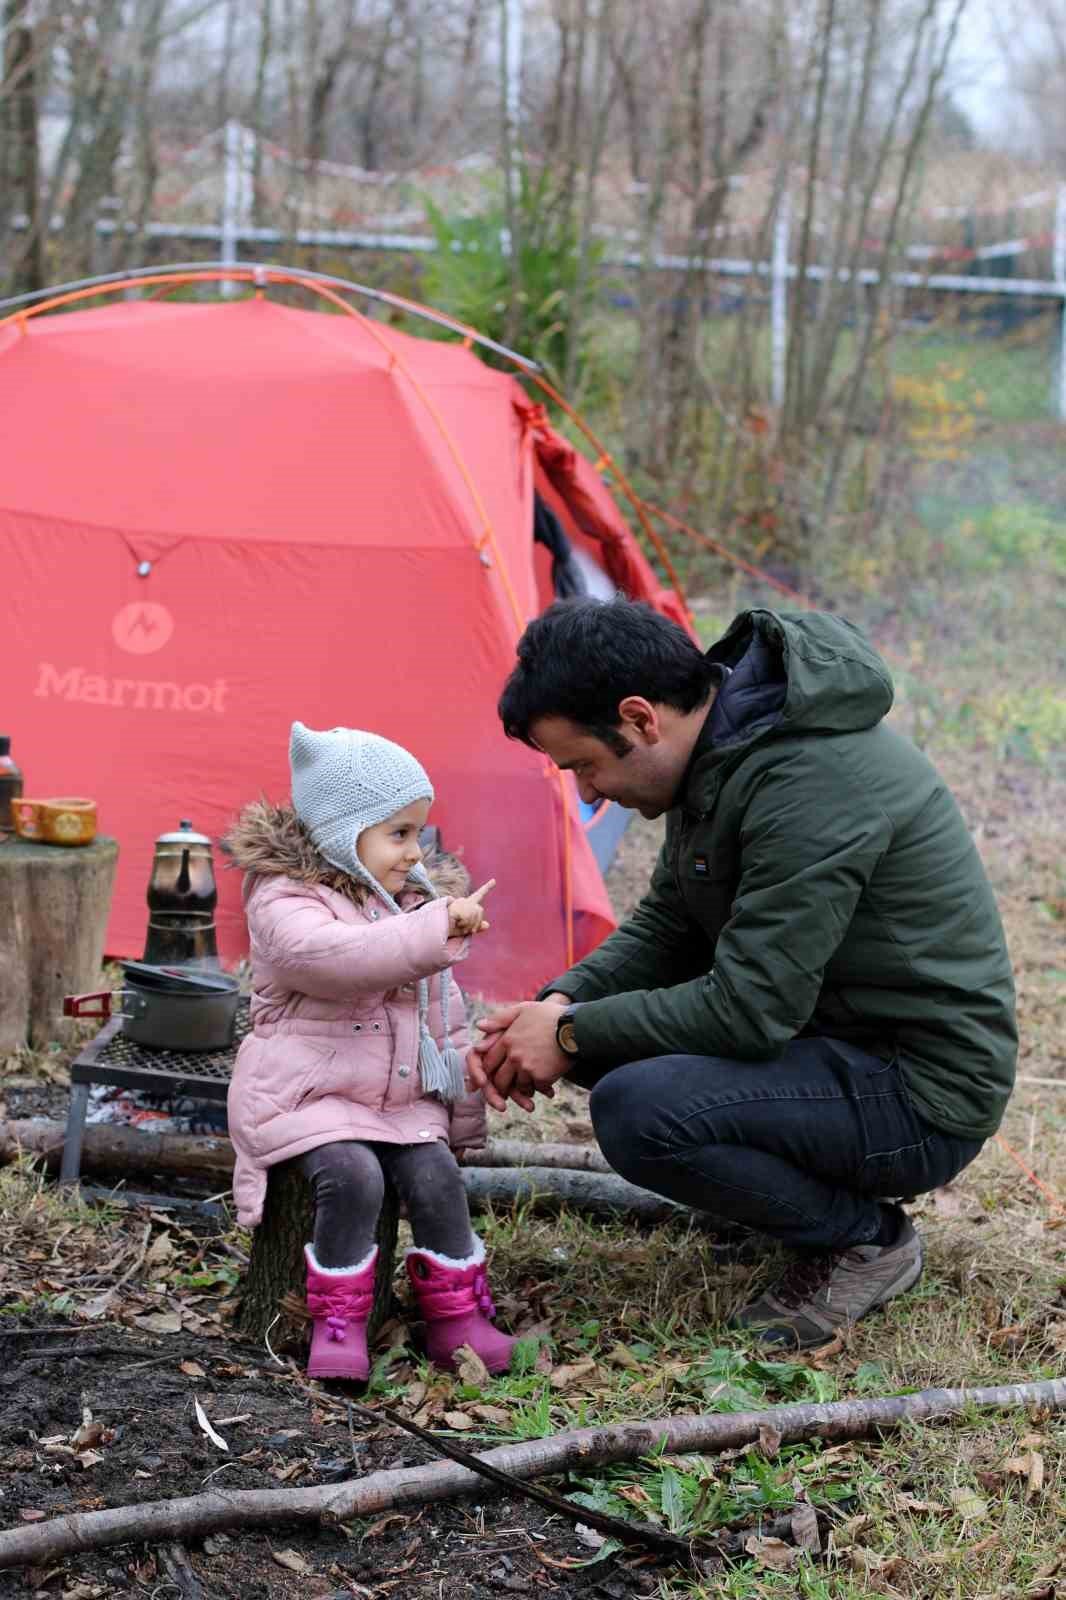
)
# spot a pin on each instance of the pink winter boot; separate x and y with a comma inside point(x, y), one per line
point(339, 1300)
point(457, 1308)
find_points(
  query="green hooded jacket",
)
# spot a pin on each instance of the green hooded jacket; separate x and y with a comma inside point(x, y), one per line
point(817, 878)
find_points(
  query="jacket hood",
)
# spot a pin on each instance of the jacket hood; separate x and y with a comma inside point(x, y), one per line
point(796, 672)
point(783, 673)
point(270, 840)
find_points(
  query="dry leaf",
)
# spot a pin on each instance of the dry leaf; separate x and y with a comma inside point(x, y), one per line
point(494, 1414)
point(1033, 1441)
point(88, 1434)
point(385, 1522)
point(192, 1369)
point(946, 1202)
point(162, 1248)
point(620, 1355)
point(1029, 1466)
point(589, 1537)
point(772, 1553)
point(970, 1506)
point(160, 1321)
point(1012, 1337)
point(89, 1458)
point(459, 1421)
point(27, 1514)
point(805, 1527)
point(907, 1502)
point(471, 1368)
point(769, 1441)
point(293, 1560)
point(826, 1352)
point(565, 1377)
point(414, 1394)
point(201, 1417)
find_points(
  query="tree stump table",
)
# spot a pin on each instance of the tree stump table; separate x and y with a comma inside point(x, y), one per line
point(55, 902)
point(275, 1281)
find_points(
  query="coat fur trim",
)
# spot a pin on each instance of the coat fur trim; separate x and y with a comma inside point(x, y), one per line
point(270, 840)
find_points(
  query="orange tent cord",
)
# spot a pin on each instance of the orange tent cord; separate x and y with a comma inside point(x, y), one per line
point(1049, 1194)
point(726, 555)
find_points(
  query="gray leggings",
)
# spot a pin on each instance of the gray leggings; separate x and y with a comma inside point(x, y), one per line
point(348, 1185)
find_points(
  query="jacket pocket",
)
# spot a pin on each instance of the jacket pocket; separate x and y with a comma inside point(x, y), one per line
point(291, 1067)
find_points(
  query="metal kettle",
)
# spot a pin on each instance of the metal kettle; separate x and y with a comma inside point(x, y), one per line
point(182, 896)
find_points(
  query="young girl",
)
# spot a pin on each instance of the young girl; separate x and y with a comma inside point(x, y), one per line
point(355, 1063)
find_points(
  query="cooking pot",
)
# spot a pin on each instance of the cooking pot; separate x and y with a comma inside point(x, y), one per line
point(166, 1008)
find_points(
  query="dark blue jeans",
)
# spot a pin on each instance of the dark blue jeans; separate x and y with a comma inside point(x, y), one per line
point(799, 1148)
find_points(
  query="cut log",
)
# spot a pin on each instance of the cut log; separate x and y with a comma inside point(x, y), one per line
point(56, 901)
point(195, 1516)
point(117, 1150)
point(276, 1276)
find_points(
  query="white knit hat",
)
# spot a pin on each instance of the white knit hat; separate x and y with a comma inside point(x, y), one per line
point(343, 782)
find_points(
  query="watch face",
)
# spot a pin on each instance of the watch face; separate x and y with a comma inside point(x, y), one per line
point(567, 1040)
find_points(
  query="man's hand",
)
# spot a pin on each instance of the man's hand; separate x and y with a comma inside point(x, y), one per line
point(519, 1055)
point(465, 916)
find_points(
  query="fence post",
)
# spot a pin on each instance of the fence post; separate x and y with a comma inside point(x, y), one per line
point(232, 163)
point(779, 301)
point(1058, 272)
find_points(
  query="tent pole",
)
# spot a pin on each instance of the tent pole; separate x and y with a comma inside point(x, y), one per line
point(279, 274)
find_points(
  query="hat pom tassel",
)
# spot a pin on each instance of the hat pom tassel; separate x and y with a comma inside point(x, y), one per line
point(441, 1072)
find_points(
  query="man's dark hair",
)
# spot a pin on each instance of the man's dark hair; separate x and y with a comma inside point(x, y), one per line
point(580, 658)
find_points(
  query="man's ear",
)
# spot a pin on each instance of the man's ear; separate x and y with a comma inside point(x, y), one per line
point(641, 718)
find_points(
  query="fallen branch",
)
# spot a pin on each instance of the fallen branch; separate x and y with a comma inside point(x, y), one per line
point(552, 1189)
point(518, 1153)
point(581, 1450)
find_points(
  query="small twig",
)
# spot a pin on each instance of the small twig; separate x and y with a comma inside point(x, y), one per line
point(61, 1328)
point(78, 1352)
point(641, 1533)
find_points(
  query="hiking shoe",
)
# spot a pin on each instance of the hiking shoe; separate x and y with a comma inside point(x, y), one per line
point(820, 1294)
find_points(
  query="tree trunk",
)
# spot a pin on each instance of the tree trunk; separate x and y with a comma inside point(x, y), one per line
point(19, 78)
point(275, 1276)
point(56, 901)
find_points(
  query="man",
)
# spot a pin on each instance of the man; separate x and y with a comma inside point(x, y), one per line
point(811, 1011)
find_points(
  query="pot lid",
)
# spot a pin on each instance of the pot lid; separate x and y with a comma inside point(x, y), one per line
point(186, 834)
point(176, 980)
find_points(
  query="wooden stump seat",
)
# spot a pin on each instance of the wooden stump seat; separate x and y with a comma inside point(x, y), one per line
point(55, 903)
point(276, 1269)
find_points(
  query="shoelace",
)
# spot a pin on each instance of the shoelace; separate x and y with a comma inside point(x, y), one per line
point(338, 1327)
point(805, 1277)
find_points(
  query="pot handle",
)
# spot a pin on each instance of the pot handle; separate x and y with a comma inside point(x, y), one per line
point(81, 1005)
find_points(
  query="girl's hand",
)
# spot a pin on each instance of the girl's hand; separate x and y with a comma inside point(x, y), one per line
point(466, 916)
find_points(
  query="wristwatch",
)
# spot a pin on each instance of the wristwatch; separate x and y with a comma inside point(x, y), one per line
point(565, 1037)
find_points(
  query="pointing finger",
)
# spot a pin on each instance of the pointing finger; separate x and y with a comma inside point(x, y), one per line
point(479, 894)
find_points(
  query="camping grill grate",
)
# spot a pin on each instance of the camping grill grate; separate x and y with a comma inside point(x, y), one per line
point(115, 1059)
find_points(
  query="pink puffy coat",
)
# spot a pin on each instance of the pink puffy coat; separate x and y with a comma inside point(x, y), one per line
point(333, 1052)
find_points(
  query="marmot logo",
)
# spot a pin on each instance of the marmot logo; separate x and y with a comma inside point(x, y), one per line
point(142, 628)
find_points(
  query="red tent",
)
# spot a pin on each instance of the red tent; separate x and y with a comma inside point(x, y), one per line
point(217, 517)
